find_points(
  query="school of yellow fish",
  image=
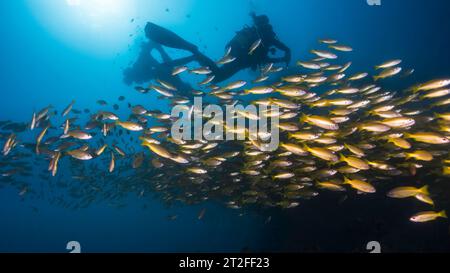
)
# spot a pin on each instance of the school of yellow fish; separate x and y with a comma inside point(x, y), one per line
point(338, 132)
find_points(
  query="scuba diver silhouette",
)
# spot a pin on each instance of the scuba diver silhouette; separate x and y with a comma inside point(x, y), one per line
point(239, 45)
point(242, 42)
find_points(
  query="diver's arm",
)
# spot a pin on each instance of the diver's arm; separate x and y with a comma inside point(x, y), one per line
point(166, 58)
point(287, 51)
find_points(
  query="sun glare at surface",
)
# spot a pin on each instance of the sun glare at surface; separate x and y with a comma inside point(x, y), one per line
point(100, 27)
point(73, 2)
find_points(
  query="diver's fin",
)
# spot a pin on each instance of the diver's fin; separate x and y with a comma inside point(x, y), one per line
point(168, 38)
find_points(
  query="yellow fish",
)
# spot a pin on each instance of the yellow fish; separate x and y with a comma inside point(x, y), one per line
point(322, 153)
point(322, 122)
point(420, 155)
point(428, 137)
point(360, 185)
point(330, 186)
point(427, 216)
point(157, 149)
point(400, 142)
point(405, 192)
point(355, 162)
point(130, 126)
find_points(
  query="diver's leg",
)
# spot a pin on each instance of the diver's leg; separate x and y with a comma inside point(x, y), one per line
point(181, 61)
point(169, 62)
point(165, 57)
point(205, 61)
point(225, 72)
point(167, 38)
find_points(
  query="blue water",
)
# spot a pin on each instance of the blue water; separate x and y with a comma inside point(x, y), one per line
point(48, 57)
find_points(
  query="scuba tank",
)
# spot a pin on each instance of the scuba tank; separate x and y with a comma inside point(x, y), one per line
point(243, 40)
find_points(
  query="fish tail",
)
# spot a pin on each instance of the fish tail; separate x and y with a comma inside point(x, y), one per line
point(306, 147)
point(424, 190)
point(415, 89)
point(311, 105)
point(331, 164)
point(446, 171)
point(367, 113)
point(118, 123)
point(303, 117)
point(443, 214)
point(346, 180)
point(376, 78)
